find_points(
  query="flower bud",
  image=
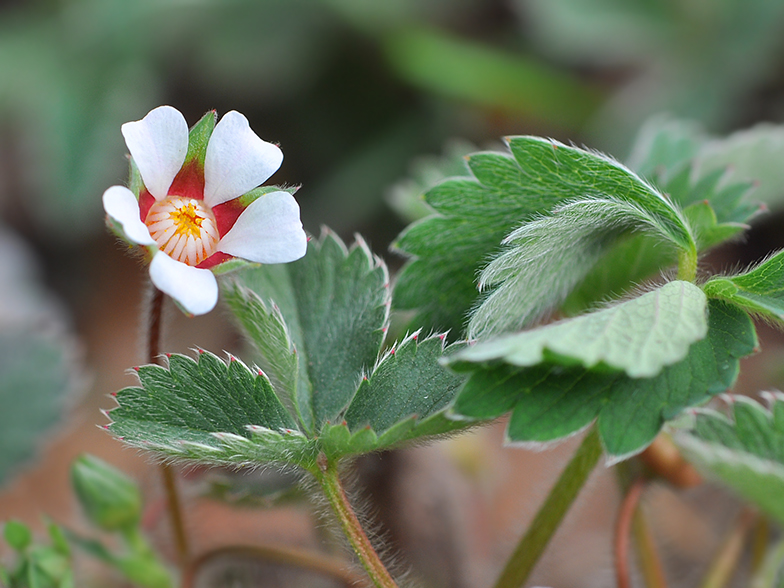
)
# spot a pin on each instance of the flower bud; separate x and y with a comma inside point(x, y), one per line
point(110, 499)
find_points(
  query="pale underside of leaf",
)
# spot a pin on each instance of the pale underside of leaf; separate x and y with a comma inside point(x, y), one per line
point(639, 336)
point(746, 452)
point(548, 257)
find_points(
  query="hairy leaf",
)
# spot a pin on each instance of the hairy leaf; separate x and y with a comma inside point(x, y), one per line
point(746, 451)
point(550, 401)
point(335, 303)
point(639, 336)
point(760, 290)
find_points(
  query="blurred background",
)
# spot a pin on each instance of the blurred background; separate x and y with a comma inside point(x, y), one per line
point(371, 102)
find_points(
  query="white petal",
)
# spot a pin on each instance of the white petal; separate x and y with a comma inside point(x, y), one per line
point(237, 160)
point(158, 144)
point(121, 205)
point(268, 231)
point(195, 289)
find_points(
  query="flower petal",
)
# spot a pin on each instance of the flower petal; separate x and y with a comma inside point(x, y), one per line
point(268, 231)
point(236, 160)
point(121, 205)
point(196, 290)
point(158, 144)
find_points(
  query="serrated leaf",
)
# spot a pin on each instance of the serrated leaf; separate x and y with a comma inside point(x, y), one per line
point(217, 412)
point(715, 201)
point(760, 290)
point(639, 336)
point(475, 216)
point(207, 409)
point(407, 382)
point(745, 452)
point(550, 401)
point(335, 303)
point(548, 257)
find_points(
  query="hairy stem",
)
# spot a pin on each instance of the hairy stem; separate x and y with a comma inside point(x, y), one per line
point(326, 472)
point(687, 265)
point(168, 474)
point(551, 513)
point(316, 562)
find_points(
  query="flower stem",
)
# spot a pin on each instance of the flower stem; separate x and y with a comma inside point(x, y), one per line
point(552, 512)
point(281, 555)
point(650, 562)
point(169, 482)
point(326, 472)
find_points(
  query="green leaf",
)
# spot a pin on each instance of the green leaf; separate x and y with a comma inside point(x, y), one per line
point(759, 291)
point(550, 401)
point(474, 217)
point(326, 335)
point(17, 535)
point(745, 451)
point(714, 200)
point(35, 379)
point(207, 409)
point(639, 336)
point(335, 302)
point(548, 257)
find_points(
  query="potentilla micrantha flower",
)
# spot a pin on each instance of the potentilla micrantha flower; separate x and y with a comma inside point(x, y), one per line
point(194, 202)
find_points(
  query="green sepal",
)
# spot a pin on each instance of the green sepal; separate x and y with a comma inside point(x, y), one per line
point(550, 401)
point(745, 451)
point(759, 291)
point(246, 199)
point(198, 138)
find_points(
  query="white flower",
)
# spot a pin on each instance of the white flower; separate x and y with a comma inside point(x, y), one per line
point(197, 208)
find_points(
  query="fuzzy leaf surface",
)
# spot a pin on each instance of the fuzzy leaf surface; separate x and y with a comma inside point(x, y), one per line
point(335, 303)
point(760, 290)
point(638, 337)
point(475, 216)
point(745, 451)
point(550, 401)
point(715, 201)
point(207, 410)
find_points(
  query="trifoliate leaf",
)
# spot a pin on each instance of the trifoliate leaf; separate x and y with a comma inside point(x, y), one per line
point(551, 400)
point(745, 452)
point(760, 290)
point(476, 216)
point(715, 201)
point(321, 347)
point(639, 336)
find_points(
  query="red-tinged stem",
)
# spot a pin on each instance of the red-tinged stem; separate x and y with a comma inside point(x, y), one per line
point(167, 472)
point(316, 562)
point(622, 533)
point(650, 562)
point(326, 472)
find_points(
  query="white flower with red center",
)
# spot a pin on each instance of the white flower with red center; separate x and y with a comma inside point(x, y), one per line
point(195, 205)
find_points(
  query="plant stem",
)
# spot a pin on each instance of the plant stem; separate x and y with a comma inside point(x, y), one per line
point(551, 513)
point(687, 265)
point(288, 556)
point(622, 528)
point(326, 472)
point(726, 559)
point(650, 562)
point(169, 482)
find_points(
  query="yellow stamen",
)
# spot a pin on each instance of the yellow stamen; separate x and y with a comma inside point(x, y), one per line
point(184, 228)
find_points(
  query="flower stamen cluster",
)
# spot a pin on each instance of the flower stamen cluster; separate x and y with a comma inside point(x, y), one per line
point(184, 229)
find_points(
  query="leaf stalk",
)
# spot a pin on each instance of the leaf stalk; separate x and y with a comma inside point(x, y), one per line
point(687, 264)
point(551, 513)
point(327, 475)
